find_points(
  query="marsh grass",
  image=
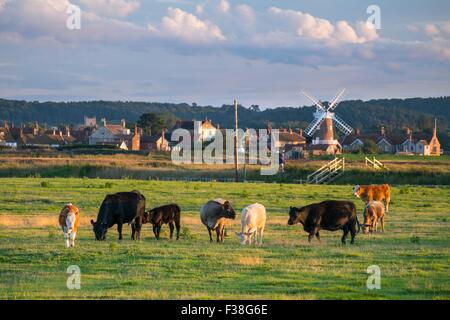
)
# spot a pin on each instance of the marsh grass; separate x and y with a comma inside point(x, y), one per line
point(413, 253)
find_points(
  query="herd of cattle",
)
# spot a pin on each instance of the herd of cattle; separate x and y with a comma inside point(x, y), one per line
point(129, 208)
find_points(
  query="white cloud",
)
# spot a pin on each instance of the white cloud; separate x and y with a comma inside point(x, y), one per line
point(111, 8)
point(199, 9)
point(186, 26)
point(246, 14)
point(308, 26)
point(431, 30)
point(26, 19)
point(224, 6)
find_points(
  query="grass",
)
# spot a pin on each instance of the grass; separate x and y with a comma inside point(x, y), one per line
point(51, 164)
point(413, 253)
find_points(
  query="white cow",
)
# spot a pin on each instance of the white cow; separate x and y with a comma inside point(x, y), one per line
point(253, 221)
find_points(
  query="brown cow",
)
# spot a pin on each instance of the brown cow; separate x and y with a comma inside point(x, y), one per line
point(69, 219)
point(374, 193)
point(373, 212)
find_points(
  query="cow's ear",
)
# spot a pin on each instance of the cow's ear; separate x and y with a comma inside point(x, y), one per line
point(92, 222)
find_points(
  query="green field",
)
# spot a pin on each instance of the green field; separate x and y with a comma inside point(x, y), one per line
point(413, 253)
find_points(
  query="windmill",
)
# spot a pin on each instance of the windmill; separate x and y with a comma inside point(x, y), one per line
point(324, 118)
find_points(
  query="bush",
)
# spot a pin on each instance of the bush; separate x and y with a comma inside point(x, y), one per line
point(45, 184)
point(415, 239)
point(109, 184)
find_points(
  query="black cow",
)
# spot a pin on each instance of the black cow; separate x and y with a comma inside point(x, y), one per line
point(120, 208)
point(169, 213)
point(327, 215)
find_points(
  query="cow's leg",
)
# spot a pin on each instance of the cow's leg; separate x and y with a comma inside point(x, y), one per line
point(172, 227)
point(155, 232)
point(210, 235)
point(382, 224)
point(218, 233)
point(72, 237)
point(352, 228)
point(158, 231)
point(318, 236)
point(133, 230)
point(310, 236)
point(386, 203)
point(344, 236)
point(177, 225)
point(222, 234)
point(138, 224)
point(261, 234)
point(119, 229)
point(66, 239)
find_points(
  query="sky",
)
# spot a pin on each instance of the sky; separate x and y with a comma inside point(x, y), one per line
point(212, 51)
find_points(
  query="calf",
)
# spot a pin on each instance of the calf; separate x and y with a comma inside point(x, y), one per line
point(373, 211)
point(69, 218)
point(374, 192)
point(214, 214)
point(327, 215)
point(166, 214)
point(253, 221)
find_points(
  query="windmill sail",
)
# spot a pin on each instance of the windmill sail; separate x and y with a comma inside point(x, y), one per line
point(341, 125)
point(336, 100)
point(315, 124)
point(317, 103)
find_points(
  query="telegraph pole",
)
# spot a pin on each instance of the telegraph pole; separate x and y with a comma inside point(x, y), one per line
point(236, 140)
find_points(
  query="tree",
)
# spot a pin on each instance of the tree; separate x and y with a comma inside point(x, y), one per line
point(151, 123)
point(370, 147)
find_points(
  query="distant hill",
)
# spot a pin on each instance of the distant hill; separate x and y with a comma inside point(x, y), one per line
point(394, 114)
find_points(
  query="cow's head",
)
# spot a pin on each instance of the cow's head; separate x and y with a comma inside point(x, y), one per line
point(357, 191)
point(245, 237)
point(147, 218)
point(70, 221)
point(294, 215)
point(228, 210)
point(100, 229)
point(369, 219)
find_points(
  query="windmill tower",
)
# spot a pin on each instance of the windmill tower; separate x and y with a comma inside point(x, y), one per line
point(324, 120)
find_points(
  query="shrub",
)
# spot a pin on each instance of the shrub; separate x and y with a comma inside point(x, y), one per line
point(415, 239)
point(45, 184)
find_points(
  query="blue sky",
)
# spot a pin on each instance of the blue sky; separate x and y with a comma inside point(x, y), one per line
point(212, 51)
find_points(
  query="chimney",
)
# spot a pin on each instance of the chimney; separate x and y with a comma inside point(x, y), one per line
point(269, 128)
point(358, 131)
point(68, 131)
point(123, 123)
point(163, 136)
point(21, 132)
point(300, 132)
point(290, 133)
point(382, 131)
point(54, 131)
point(6, 125)
point(218, 126)
point(408, 131)
point(136, 131)
point(104, 121)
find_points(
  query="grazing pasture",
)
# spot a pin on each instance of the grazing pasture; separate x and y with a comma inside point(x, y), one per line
point(413, 253)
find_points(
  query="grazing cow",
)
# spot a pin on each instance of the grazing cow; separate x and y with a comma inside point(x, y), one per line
point(327, 215)
point(253, 221)
point(69, 218)
point(214, 214)
point(166, 214)
point(120, 208)
point(374, 192)
point(373, 212)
